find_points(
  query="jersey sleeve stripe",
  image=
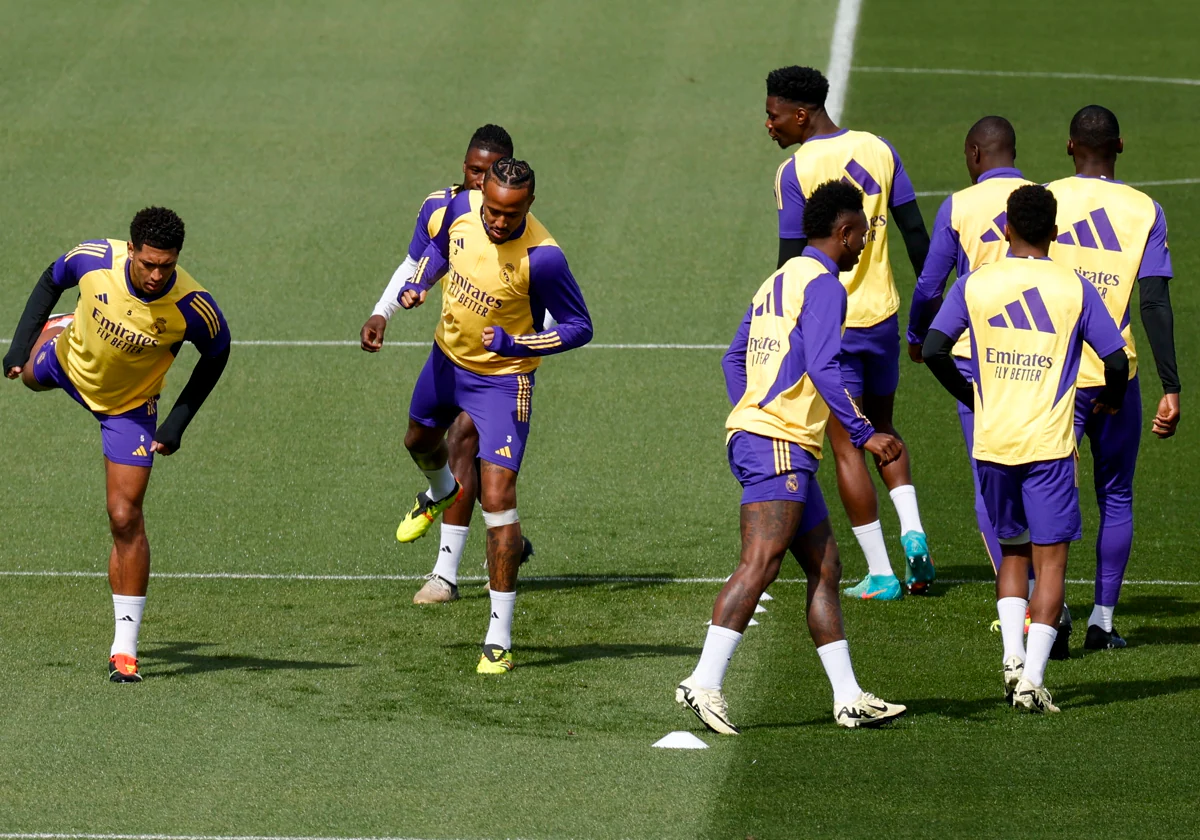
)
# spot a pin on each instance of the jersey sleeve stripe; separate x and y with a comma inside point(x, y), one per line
point(204, 306)
point(206, 316)
point(779, 185)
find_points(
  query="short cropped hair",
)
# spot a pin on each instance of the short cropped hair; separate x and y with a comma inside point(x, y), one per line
point(512, 173)
point(798, 84)
point(157, 227)
point(491, 138)
point(1095, 127)
point(1031, 212)
point(827, 204)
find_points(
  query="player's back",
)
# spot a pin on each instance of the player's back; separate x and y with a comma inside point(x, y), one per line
point(780, 400)
point(1103, 230)
point(870, 163)
point(1023, 315)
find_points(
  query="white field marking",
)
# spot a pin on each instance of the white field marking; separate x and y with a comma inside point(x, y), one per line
point(1175, 182)
point(482, 578)
point(841, 56)
point(1030, 74)
point(347, 343)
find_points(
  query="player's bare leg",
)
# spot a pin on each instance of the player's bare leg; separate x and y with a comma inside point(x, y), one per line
point(427, 446)
point(498, 497)
point(462, 441)
point(128, 563)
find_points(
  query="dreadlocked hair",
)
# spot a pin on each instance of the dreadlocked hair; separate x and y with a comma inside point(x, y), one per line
point(512, 173)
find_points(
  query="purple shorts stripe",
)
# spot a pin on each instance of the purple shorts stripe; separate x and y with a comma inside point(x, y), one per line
point(870, 358)
point(500, 406)
point(777, 471)
point(1041, 498)
point(125, 438)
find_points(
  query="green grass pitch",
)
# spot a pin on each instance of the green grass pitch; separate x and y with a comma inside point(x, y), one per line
point(297, 140)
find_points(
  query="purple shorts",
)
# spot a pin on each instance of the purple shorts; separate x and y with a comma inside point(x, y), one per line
point(125, 437)
point(1041, 498)
point(870, 359)
point(777, 471)
point(500, 406)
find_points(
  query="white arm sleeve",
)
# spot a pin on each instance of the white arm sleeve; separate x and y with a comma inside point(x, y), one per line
point(390, 302)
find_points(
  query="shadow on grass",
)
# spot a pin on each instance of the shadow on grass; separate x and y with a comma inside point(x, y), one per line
point(1158, 636)
point(1156, 606)
point(550, 583)
point(189, 659)
point(1122, 691)
point(565, 654)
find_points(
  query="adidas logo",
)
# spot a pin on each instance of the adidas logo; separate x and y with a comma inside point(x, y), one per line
point(102, 298)
point(997, 233)
point(861, 178)
point(460, 243)
point(773, 303)
point(494, 615)
point(1081, 234)
point(141, 450)
point(504, 451)
point(446, 549)
point(1018, 318)
point(126, 618)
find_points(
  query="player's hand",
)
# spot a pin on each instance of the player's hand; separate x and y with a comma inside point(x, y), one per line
point(410, 299)
point(1103, 408)
point(15, 371)
point(884, 447)
point(914, 353)
point(489, 335)
point(371, 336)
point(1167, 418)
point(161, 448)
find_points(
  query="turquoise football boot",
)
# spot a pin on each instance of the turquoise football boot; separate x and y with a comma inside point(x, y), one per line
point(920, 564)
point(877, 588)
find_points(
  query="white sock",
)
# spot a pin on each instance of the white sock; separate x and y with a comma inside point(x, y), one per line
point(454, 540)
point(441, 482)
point(1102, 617)
point(719, 645)
point(500, 629)
point(127, 612)
point(835, 657)
point(1041, 639)
point(1012, 625)
point(870, 538)
point(905, 500)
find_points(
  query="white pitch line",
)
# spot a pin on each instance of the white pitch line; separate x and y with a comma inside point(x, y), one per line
point(482, 578)
point(1030, 74)
point(1174, 182)
point(841, 56)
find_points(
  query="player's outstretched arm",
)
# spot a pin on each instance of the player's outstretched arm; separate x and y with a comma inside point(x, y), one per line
point(207, 329)
point(371, 335)
point(733, 363)
point(821, 320)
point(41, 303)
point(931, 283)
point(552, 285)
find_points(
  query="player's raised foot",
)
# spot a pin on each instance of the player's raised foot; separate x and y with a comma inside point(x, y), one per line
point(708, 704)
point(494, 660)
point(1061, 649)
point(1098, 638)
point(876, 588)
point(867, 710)
point(123, 668)
point(920, 563)
point(526, 553)
point(437, 590)
point(1014, 670)
point(424, 512)
point(60, 320)
point(1033, 698)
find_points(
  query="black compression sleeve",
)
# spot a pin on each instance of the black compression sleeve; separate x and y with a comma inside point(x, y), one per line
point(789, 248)
point(1159, 321)
point(37, 309)
point(204, 376)
point(1116, 379)
point(912, 229)
point(936, 352)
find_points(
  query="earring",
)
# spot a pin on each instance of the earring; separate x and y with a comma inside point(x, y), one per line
point(845, 242)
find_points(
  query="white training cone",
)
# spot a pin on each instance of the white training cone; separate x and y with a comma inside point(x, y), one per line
point(680, 741)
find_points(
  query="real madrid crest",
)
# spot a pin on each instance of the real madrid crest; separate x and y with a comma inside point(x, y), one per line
point(793, 484)
point(508, 274)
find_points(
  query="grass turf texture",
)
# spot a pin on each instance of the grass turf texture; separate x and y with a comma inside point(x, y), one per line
point(297, 143)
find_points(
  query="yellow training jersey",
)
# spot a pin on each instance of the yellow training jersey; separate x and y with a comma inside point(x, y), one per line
point(508, 285)
point(871, 164)
point(1111, 235)
point(1028, 320)
point(117, 350)
point(785, 357)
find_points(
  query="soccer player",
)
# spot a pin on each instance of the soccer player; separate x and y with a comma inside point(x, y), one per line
point(871, 344)
point(136, 308)
point(504, 272)
point(1029, 318)
point(1113, 235)
point(783, 377)
point(968, 232)
point(488, 144)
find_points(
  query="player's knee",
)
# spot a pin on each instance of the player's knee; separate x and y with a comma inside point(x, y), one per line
point(124, 519)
